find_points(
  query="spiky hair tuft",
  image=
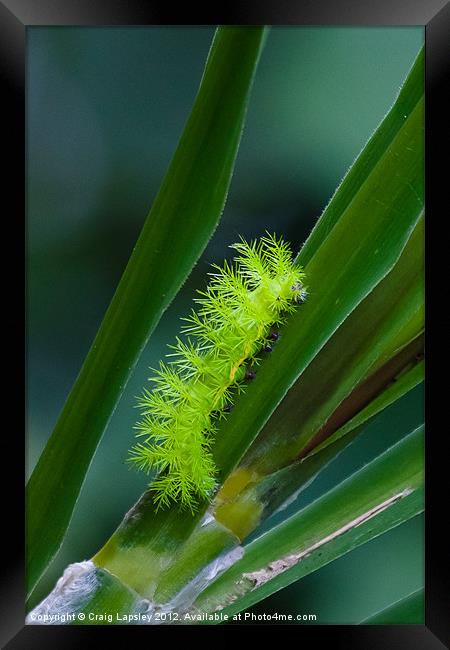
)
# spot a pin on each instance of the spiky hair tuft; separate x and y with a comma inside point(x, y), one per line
point(232, 323)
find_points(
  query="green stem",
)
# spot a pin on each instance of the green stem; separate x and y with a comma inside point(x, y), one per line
point(376, 498)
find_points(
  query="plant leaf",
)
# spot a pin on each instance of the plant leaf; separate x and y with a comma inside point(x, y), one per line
point(409, 610)
point(383, 494)
point(352, 368)
point(409, 95)
point(178, 227)
point(360, 251)
point(406, 382)
point(267, 495)
point(342, 381)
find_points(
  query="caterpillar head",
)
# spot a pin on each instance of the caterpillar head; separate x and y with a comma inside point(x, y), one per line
point(299, 293)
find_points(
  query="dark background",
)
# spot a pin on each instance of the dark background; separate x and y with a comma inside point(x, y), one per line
point(105, 109)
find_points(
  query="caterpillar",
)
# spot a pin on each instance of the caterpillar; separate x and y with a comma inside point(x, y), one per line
point(196, 386)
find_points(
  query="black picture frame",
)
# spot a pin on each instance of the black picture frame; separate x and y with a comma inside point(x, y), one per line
point(15, 17)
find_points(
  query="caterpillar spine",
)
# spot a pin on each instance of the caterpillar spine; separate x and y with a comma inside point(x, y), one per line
point(234, 320)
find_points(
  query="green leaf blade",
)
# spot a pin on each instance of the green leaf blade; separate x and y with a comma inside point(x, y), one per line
point(382, 495)
point(178, 227)
point(409, 95)
point(410, 610)
point(362, 248)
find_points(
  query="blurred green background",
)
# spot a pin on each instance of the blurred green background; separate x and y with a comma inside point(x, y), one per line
point(105, 109)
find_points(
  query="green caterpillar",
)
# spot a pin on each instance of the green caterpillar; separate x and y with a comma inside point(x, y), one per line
point(196, 387)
